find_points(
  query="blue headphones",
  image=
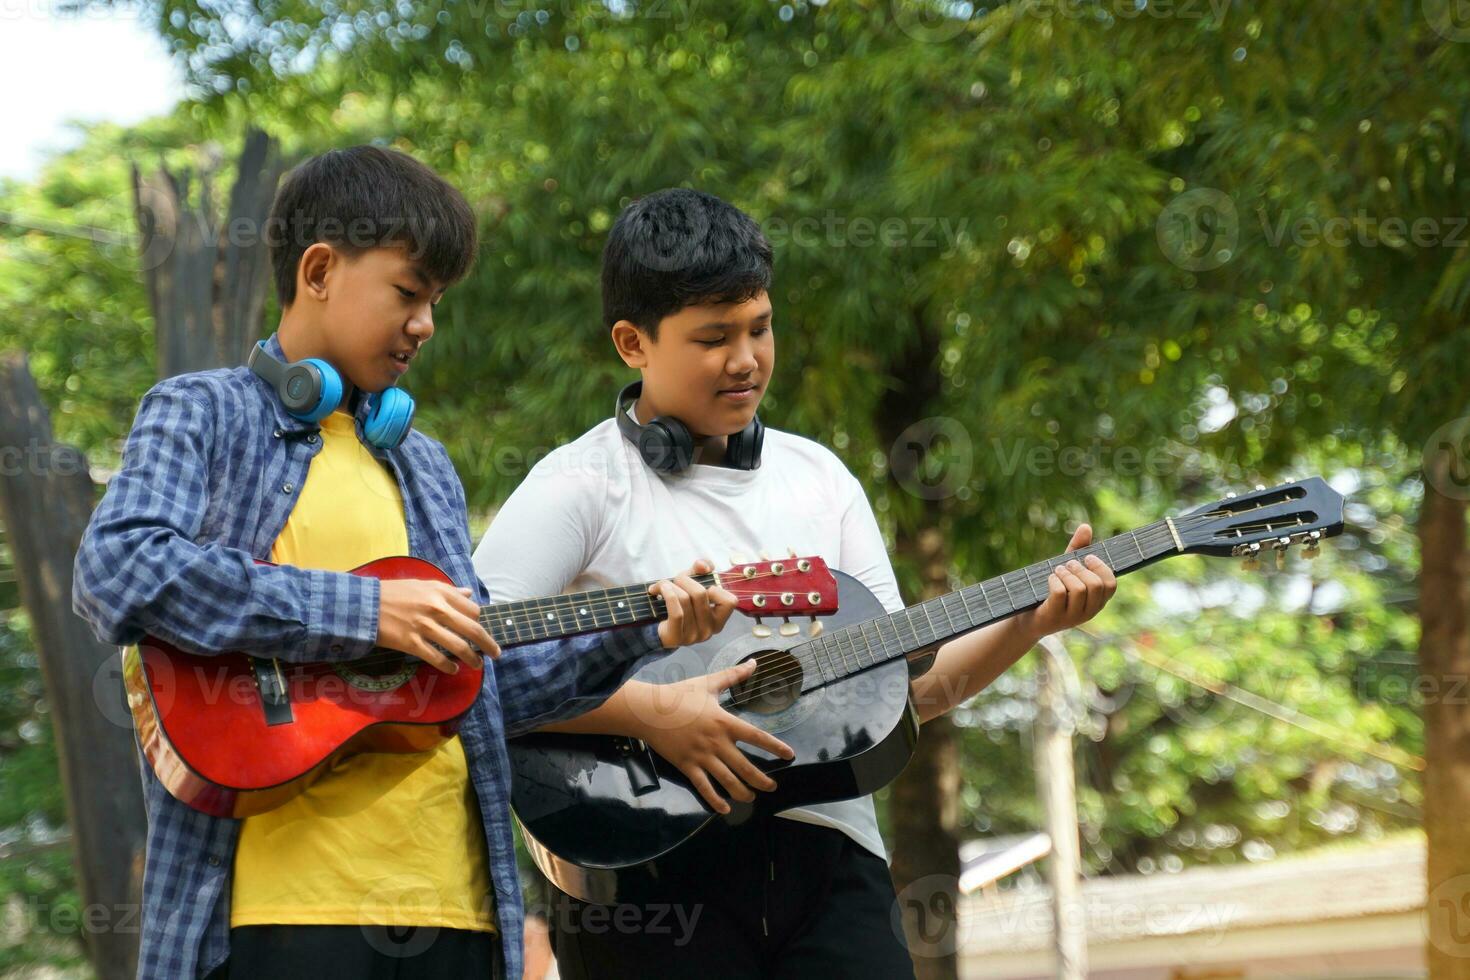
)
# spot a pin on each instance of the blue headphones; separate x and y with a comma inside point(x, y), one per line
point(312, 389)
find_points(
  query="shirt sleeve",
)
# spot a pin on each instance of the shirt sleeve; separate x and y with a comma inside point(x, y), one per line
point(543, 536)
point(864, 555)
point(139, 571)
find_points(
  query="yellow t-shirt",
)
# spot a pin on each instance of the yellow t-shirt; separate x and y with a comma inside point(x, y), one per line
point(381, 839)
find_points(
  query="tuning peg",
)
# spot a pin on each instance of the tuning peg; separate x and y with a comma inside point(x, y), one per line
point(1312, 550)
point(1230, 495)
point(760, 629)
point(1281, 545)
point(736, 559)
point(815, 629)
point(764, 556)
point(1253, 559)
point(788, 628)
point(790, 552)
point(1260, 486)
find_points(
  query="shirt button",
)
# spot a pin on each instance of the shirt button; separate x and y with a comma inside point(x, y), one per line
point(336, 648)
point(277, 434)
point(213, 861)
point(288, 488)
point(311, 439)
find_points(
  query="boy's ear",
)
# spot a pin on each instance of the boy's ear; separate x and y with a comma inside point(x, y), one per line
point(631, 343)
point(311, 274)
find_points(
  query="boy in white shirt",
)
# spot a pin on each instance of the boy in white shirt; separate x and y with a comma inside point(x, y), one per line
point(684, 286)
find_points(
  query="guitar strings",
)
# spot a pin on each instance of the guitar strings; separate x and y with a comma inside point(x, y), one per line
point(778, 680)
point(1153, 535)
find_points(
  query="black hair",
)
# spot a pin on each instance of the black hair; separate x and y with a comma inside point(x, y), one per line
point(368, 197)
point(677, 248)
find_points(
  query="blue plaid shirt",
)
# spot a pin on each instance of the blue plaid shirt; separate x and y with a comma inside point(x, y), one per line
point(211, 471)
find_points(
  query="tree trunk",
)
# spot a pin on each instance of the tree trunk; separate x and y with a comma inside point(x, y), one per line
point(1444, 659)
point(45, 503)
point(923, 808)
point(924, 813)
point(206, 280)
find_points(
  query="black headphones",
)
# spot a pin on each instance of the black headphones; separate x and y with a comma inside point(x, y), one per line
point(666, 445)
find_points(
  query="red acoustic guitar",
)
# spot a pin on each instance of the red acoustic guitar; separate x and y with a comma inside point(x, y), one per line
point(232, 734)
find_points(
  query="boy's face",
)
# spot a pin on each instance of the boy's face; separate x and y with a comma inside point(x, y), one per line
point(709, 366)
point(369, 313)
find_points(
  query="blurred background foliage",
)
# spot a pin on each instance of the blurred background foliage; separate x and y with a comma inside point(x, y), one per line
point(1098, 240)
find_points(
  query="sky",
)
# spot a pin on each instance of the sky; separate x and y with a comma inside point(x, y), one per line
point(55, 67)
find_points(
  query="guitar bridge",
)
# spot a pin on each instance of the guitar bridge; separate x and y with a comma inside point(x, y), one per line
point(638, 760)
point(271, 684)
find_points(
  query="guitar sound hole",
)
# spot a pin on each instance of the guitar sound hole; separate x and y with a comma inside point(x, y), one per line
point(774, 687)
point(381, 670)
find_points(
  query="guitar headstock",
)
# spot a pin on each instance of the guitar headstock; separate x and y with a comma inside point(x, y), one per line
point(1242, 525)
point(782, 587)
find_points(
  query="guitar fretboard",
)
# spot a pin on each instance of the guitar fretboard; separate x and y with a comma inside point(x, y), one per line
point(846, 651)
point(553, 617)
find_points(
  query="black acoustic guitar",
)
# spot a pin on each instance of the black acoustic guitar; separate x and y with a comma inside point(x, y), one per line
point(599, 812)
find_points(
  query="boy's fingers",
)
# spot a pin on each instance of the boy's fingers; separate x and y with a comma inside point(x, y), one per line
point(701, 618)
point(762, 739)
point(456, 645)
point(706, 790)
point(462, 603)
point(480, 637)
point(1096, 591)
point(745, 770)
point(1076, 591)
point(473, 631)
point(722, 605)
point(1103, 571)
point(1056, 587)
point(671, 630)
point(1081, 538)
point(731, 676)
point(425, 652)
point(727, 779)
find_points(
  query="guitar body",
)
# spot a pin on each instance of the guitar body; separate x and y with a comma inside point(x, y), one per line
point(598, 813)
point(234, 735)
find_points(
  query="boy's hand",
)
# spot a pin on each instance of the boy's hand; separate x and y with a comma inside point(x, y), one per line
point(1077, 591)
point(695, 613)
point(684, 723)
point(419, 617)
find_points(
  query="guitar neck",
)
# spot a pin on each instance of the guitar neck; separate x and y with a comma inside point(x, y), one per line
point(842, 652)
point(554, 617)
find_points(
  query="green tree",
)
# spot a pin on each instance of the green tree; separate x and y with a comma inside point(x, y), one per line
point(1062, 177)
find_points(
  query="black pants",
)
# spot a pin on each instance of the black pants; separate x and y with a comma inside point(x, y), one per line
point(772, 899)
point(359, 953)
